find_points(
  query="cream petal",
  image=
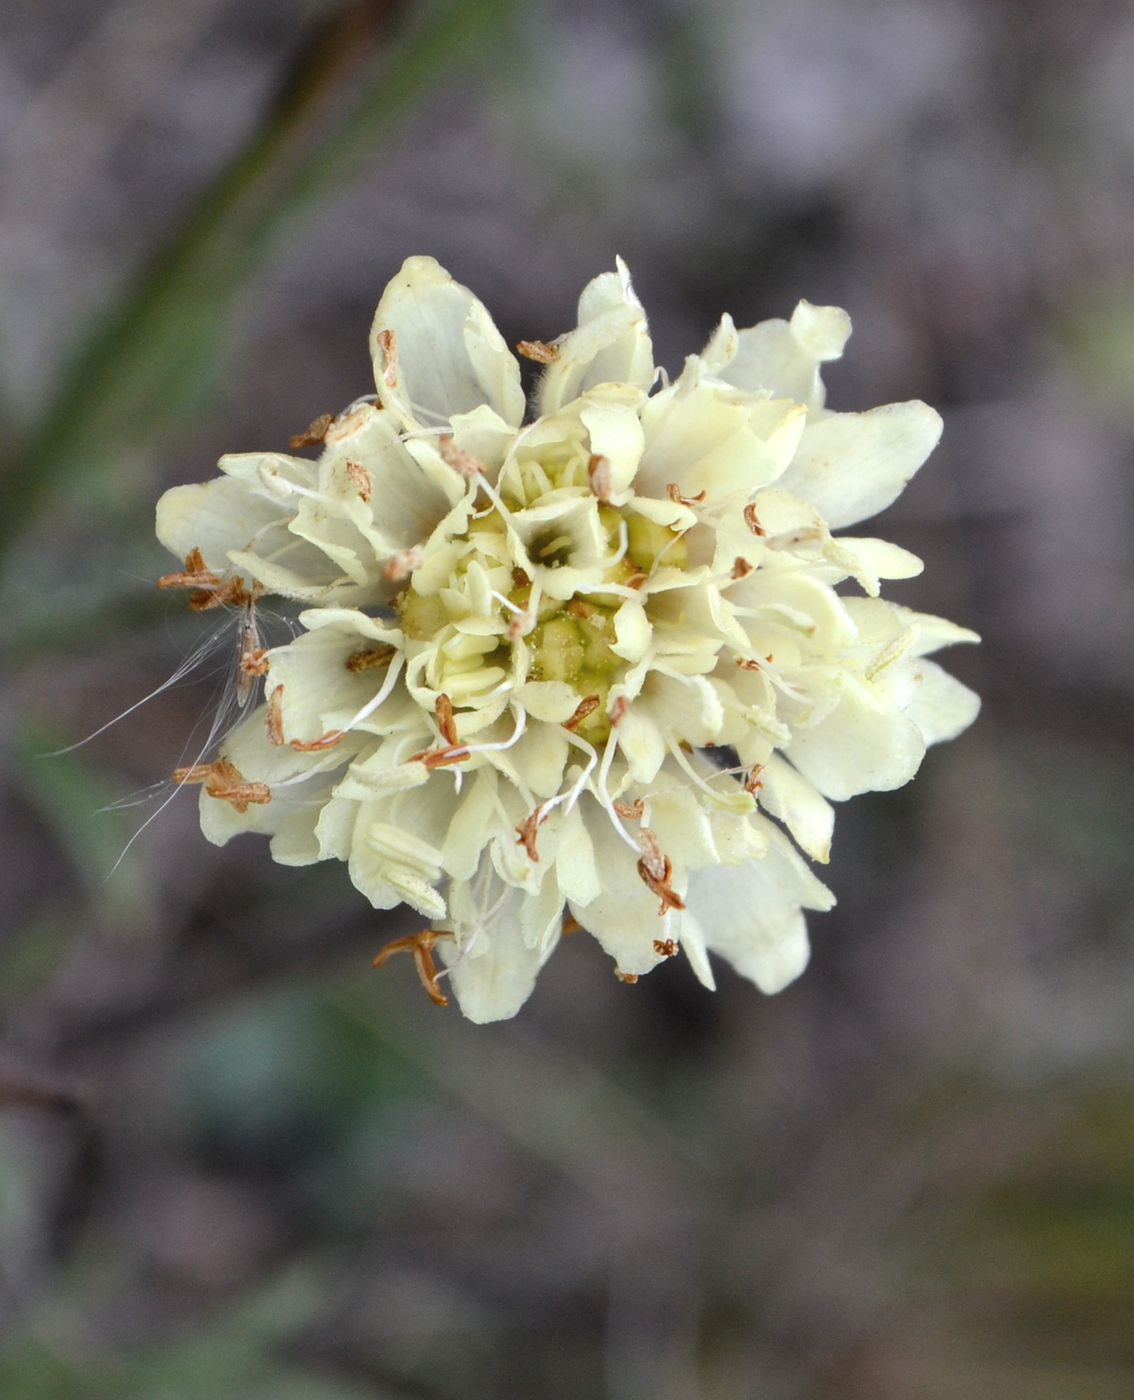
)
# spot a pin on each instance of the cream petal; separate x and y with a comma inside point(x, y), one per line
point(787, 795)
point(624, 915)
point(215, 517)
point(497, 956)
point(783, 357)
point(850, 466)
point(610, 344)
point(447, 357)
point(752, 914)
point(942, 707)
point(864, 744)
point(867, 561)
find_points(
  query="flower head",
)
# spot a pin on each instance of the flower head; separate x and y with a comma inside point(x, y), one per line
point(593, 670)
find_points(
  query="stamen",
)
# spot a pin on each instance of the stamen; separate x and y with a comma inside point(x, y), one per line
point(275, 717)
point(538, 351)
point(628, 977)
point(362, 480)
point(674, 494)
point(314, 433)
point(665, 947)
point(224, 781)
point(754, 782)
point(420, 945)
point(632, 811)
point(369, 658)
point(741, 568)
point(443, 709)
point(660, 885)
point(584, 708)
point(388, 341)
point(752, 520)
point(462, 462)
point(325, 741)
point(527, 831)
point(599, 475)
point(399, 566)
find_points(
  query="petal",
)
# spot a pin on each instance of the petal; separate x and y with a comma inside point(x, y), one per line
point(624, 915)
point(791, 798)
point(943, 707)
point(864, 744)
point(446, 356)
point(215, 517)
point(611, 344)
point(752, 914)
point(852, 465)
point(783, 357)
point(503, 938)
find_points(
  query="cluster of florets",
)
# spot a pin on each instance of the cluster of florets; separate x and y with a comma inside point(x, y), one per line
point(587, 672)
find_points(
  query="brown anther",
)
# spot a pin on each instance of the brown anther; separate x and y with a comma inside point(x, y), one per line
point(254, 662)
point(324, 741)
point(275, 717)
point(582, 710)
point(752, 520)
point(538, 350)
point(632, 811)
point(388, 341)
point(658, 880)
point(462, 462)
point(618, 709)
point(571, 925)
point(443, 709)
point(402, 564)
point(599, 475)
point(637, 579)
point(421, 946)
point(224, 781)
point(653, 857)
point(754, 782)
point(527, 831)
point(747, 663)
point(363, 482)
point(519, 625)
point(438, 758)
point(741, 568)
point(673, 491)
point(314, 433)
point(369, 658)
point(628, 977)
point(204, 584)
point(665, 947)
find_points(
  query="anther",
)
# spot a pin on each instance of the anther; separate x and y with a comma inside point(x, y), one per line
point(362, 480)
point(741, 568)
point(438, 758)
point(399, 566)
point(325, 741)
point(539, 351)
point(754, 782)
point(420, 945)
point(584, 708)
point(388, 341)
point(599, 475)
point(618, 709)
point(224, 781)
point(752, 520)
point(314, 433)
point(631, 811)
point(275, 717)
point(462, 462)
point(665, 947)
point(369, 658)
point(628, 977)
point(527, 831)
point(674, 494)
point(443, 709)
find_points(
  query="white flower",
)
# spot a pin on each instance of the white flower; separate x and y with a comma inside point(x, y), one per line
point(592, 667)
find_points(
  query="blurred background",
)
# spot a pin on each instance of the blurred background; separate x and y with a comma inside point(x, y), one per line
point(234, 1161)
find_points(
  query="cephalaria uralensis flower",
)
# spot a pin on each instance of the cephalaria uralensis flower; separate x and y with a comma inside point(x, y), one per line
point(592, 671)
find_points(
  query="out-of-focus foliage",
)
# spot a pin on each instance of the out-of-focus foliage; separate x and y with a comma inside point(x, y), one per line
point(233, 1161)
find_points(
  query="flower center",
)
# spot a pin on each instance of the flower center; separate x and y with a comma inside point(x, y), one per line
point(530, 596)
